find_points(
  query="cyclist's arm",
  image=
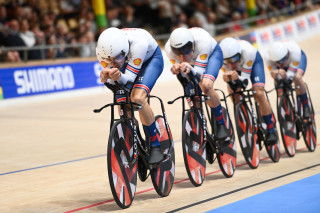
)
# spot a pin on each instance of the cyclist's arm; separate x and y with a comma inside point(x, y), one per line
point(272, 69)
point(136, 58)
point(295, 57)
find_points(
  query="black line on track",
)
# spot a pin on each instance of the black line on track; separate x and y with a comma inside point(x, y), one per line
point(240, 189)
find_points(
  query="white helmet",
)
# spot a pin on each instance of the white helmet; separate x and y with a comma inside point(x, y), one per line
point(112, 43)
point(277, 51)
point(230, 47)
point(181, 41)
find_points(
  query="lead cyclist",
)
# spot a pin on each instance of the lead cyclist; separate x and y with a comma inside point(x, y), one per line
point(132, 57)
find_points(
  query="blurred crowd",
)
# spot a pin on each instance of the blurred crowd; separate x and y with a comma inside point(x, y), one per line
point(28, 23)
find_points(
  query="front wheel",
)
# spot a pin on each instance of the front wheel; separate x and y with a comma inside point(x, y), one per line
point(227, 158)
point(163, 175)
point(193, 146)
point(247, 135)
point(310, 130)
point(288, 128)
point(122, 164)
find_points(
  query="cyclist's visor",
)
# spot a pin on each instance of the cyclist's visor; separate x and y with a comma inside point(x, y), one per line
point(281, 60)
point(116, 59)
point(184, 50)
point(232, 60)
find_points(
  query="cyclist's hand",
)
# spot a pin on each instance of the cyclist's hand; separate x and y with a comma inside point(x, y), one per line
point(104, 75)
point(274, 74)
point(114, 74)
point(283, 73)
point(175, 69)
point(185, 67)
point(226, 77)
point(234, 75)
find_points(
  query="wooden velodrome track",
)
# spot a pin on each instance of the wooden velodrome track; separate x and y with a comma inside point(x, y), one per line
point(53, 156)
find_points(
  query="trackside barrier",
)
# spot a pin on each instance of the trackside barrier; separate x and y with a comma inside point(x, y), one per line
point(34, 80)
point(299, 28)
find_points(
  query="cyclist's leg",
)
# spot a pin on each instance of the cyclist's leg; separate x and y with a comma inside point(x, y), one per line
point(146, 79)
point(214, 65)
point(258, 83)
point(300, 85)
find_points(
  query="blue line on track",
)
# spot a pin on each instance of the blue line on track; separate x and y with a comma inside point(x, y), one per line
point(300, 196)
point(55, 164)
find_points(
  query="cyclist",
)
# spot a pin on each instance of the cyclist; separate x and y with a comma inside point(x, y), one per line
point(132, 57)
point(241, 62)
point(287, 60)
point(195, 50)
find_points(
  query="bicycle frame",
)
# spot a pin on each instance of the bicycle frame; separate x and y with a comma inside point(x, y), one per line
point(193, 104)
point(290, 92)
point(131, 120)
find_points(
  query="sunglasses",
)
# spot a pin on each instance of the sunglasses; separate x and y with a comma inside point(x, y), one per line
point(232, 60)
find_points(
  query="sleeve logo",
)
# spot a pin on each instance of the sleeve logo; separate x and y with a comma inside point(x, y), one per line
point(296, 63)
point(104, 64)
point(249, 63)
point(137, 61)
point(172, 61)
point(203, 56)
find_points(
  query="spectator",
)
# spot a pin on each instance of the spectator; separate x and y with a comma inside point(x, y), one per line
point(236, 17)
point(3, 15)
point(166, 16)
point(13, 38)
point(53, 52)
point(12, 56)
point(211, 27)
point(27, 36)
point(223, 10)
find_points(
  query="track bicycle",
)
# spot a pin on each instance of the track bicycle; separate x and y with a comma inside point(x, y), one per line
point(251, 128)
point(198, 143)
point(128, 153)
point(290, 117)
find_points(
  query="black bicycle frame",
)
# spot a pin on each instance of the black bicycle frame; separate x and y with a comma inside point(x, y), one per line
point(124, 116)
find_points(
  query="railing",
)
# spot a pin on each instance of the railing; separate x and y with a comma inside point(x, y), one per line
point(163, 37)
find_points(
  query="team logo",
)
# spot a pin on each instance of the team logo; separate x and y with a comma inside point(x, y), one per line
point(301, 25)
point(265, 37)
point(312, 20)
point(172, 61)
point(276, 33)
point(288, 29)
point(137, 61)
point(269, 68)
point(203, 57)
point(223, 69)
point(249, 63)
point(295, 63)
point(104, 64)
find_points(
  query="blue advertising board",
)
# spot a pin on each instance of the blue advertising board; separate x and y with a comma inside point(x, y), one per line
point(33, 80)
